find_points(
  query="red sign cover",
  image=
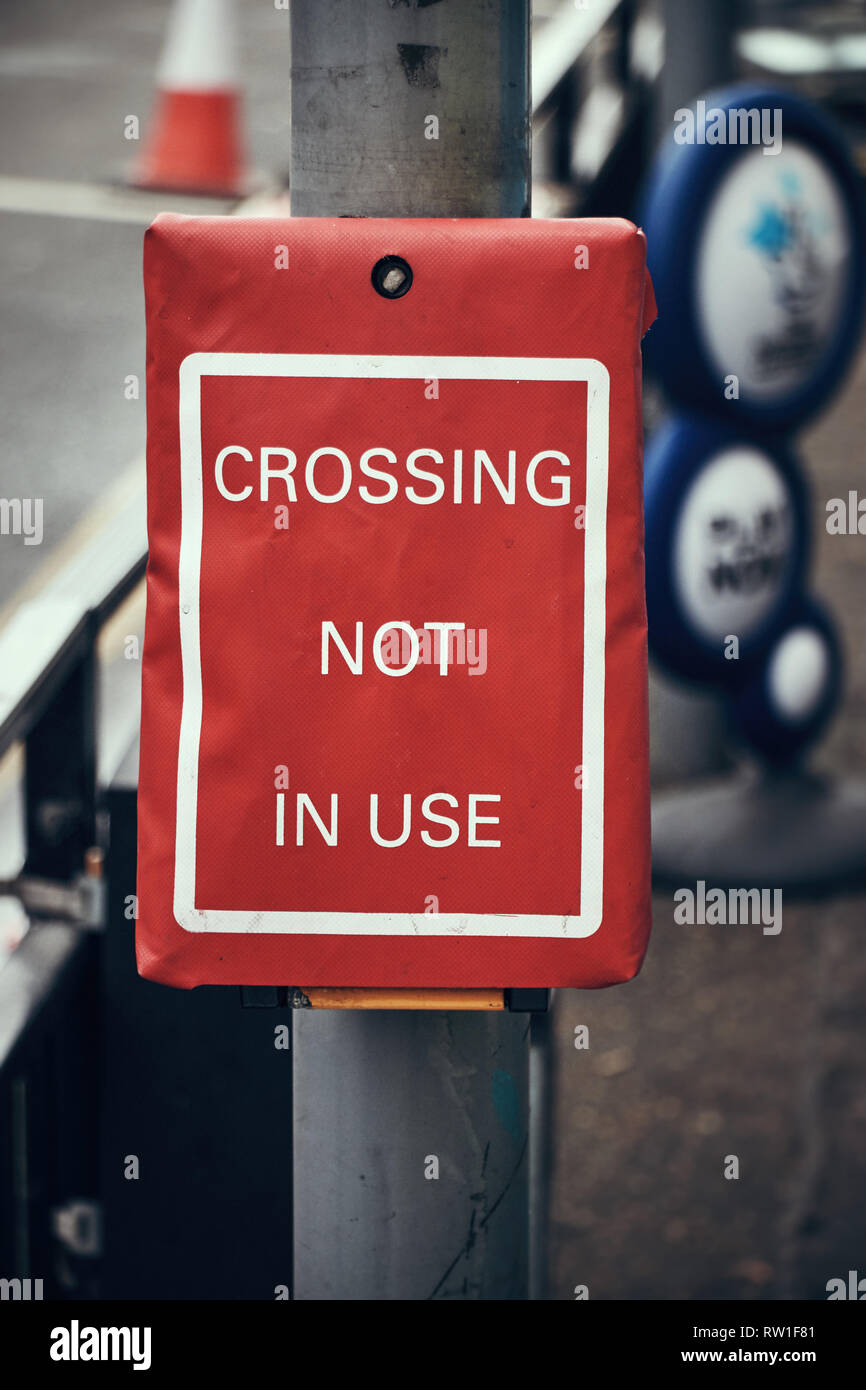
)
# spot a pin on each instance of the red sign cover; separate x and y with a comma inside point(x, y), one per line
point(394, 726)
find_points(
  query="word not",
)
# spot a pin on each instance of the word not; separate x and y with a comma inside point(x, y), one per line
point(329, 832)
point(846, 518)
point(398, 647)
point(739, 905)
point(22, 516)
point(75, 1343)
point(321, 463)
point(737, 126)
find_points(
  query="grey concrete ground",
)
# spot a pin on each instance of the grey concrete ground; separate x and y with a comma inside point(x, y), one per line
point(70, 73)
point(71, 304)
point(731, 1042)
point(71, 309)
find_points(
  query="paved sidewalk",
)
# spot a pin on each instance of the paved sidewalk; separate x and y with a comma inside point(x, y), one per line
point(71, 299)
point(730, 1042)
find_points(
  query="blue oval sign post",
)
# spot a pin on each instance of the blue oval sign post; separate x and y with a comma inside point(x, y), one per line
point(756, 234)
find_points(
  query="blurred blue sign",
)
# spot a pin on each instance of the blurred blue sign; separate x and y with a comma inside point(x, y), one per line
point(787, 703)
point(726, 546)
point(755, 233)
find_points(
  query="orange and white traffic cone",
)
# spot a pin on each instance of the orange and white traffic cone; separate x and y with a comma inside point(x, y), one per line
point(194, 143)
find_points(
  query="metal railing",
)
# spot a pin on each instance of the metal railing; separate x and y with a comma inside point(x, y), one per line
point(49, 1008)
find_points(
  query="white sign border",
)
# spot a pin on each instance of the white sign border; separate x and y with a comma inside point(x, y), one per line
point(597, 378)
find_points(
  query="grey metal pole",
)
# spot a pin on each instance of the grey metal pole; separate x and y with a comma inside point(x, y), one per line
point(411, 1128)
point(367, 75)
point(699, 53)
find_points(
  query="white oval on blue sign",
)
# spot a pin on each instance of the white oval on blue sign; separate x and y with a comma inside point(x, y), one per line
point(772, 270)
point(733, 543)
point(797, 674)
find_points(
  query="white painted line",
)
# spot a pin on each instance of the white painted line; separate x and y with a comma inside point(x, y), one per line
point(558, 44)
point(96, 202)
point(90, 559)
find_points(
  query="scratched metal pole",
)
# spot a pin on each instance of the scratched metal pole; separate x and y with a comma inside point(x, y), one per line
point(379, 1096)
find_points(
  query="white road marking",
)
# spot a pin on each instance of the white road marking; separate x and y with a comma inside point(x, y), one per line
point(98, 202)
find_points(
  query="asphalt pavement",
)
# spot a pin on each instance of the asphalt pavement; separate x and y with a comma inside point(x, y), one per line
point(71, 301)
point(732, 1043)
